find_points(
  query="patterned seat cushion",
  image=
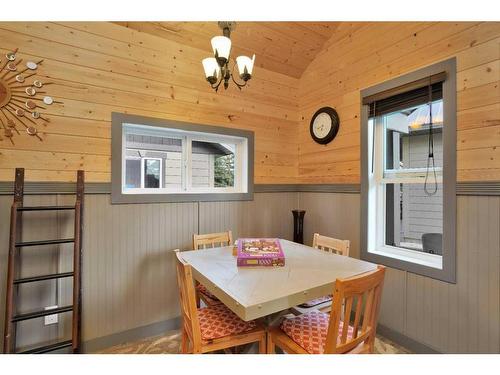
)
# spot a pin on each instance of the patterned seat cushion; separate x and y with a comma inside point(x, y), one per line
point(310, 330)
point(316, 301)
point(218, 321)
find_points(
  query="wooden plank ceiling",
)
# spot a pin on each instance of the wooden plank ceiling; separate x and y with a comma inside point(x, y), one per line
point(282, 47)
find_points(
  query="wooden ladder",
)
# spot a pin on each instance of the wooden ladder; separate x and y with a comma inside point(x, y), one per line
point(13, 281)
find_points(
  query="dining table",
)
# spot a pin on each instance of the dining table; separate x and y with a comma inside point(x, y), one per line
point(257, 292)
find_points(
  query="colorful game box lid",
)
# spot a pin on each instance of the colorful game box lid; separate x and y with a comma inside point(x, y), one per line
point(260, 252)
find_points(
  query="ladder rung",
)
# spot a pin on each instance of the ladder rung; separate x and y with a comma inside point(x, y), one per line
point(45, 242)
point(43, 277)
point(45, 208)
point(48, 348)
point(16, 243)
point(38, 314)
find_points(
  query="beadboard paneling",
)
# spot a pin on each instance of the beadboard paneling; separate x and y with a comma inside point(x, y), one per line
point(128, 265)
point(450, 318)
point(34, 261)
point(393, 308)
point(129, 275)
point(463, 318)
point(268, 215)
point(332, 214)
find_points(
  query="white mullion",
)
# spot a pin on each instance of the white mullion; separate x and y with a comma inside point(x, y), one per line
point(379, 152)
point(162, 178)
point(142, 172)
point(372, 193)
point(123, 156)
point(238, 166)
point(378, 174)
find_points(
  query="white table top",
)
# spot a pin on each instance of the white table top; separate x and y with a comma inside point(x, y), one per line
point(254, 292)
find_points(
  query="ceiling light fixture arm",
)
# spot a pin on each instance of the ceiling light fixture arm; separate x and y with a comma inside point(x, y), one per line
point(215, 85)
point(240, 85)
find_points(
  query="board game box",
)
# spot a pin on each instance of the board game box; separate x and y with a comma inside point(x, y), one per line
point(260, 252)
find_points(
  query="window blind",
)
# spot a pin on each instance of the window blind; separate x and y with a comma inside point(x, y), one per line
point(405, 96)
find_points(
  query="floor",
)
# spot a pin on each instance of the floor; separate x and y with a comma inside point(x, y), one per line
point(170, 344)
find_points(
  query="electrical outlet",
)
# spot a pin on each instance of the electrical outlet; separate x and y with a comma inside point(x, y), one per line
point(51, 319)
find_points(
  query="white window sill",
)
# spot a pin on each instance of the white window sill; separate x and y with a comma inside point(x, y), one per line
point(411, 256)
point(163, 191)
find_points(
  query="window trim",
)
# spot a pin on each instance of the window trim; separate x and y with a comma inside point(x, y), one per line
point(142, 167)
point(143, 170)
point(118, 120)
point(449, 175)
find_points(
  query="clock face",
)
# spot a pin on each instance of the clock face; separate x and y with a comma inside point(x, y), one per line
point(324, 125)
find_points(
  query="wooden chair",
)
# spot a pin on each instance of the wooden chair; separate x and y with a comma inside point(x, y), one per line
point(349, 328)
point(331, 245)
point(214, 327)
point(205, 241)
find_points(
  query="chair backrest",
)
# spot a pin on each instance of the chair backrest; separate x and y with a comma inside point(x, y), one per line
point(355, 298)
point(187, 300)
point(204, 241)
point(331, 245)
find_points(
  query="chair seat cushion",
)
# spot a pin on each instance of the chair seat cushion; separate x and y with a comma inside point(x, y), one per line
point(309, 330)
point(218, 321)
point(316, 301)
point(203, 290)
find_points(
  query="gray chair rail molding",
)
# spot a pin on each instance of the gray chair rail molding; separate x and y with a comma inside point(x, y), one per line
point(479, 188)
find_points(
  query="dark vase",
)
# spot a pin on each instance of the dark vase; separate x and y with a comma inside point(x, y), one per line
point(298, 226)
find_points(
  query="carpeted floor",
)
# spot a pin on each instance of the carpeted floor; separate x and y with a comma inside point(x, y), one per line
point(170, 344)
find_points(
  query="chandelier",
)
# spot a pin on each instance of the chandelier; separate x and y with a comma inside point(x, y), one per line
point(217, 68)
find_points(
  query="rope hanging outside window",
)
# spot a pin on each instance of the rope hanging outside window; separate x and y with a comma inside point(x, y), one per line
point(430, 153)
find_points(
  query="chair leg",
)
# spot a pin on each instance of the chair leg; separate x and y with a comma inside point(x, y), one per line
point(371, 345)
point(270, 344)
point(184, 342)
point(263, 345)
point(197, 294)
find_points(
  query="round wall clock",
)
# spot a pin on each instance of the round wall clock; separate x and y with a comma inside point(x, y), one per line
point(324, 125)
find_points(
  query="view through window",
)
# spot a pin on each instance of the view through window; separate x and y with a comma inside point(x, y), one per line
point(409, 172)
point(406, 185)
point(413, 178)
point(170, 160)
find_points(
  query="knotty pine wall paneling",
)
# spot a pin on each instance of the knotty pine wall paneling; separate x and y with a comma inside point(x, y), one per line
point(371, 53)
point(99, 68)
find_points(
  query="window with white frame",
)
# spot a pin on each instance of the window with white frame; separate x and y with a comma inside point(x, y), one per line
point(160, 160)
point(406, 195)
point(408, 172)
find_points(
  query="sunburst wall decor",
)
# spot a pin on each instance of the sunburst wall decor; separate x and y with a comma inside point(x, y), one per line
point(22, 97)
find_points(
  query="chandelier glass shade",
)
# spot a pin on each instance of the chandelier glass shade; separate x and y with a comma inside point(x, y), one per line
point(212, 69)
point(217, 69)
point(221, 46)
point(245, 66)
